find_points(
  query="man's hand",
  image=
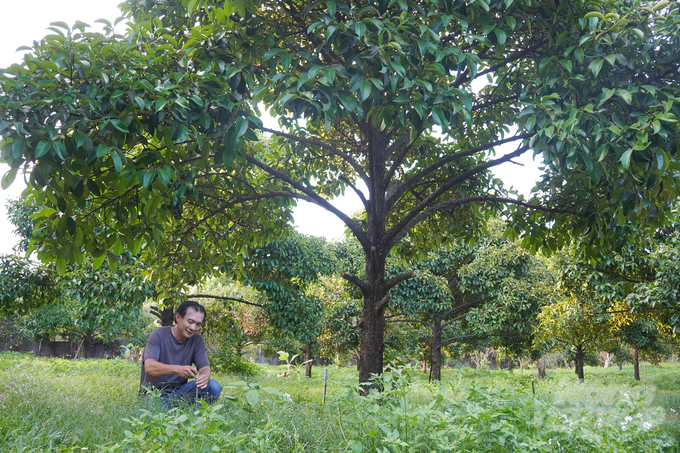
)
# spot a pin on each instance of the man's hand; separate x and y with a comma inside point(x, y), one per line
point(203, 377)
point(186, 371)
point(154, 368)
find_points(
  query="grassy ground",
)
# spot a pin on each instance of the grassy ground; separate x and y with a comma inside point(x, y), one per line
point(55, 405)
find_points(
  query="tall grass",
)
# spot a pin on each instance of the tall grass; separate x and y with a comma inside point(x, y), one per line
point(55, 405)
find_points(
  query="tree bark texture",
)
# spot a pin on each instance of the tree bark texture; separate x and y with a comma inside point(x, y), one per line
point(437, 349)
point(308, 360)
point(492, 361)
point(511, 364)
point(578, 363)
point(636, 363)
point(540, 368)
point(371, 352)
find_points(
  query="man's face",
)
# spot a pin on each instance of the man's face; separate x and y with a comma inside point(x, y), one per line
point(189, 325)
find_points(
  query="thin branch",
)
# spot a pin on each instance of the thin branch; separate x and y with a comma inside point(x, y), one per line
point(494, 102)
point(359, 193)
point(403, 188)
point(463, 307)
point(382, 303)
point(316, 199)
point(484, 199)
point(400, 157)
point(235, 299)
point(410, 321)
point(391, 283)
point(405, 224)
point(310, 141)
point(461, 338)
point(355, 281)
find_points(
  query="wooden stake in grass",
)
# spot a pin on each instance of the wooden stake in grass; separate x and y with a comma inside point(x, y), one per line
point(325, 384)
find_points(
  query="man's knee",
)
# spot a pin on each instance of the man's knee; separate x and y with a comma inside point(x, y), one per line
point(214, 388)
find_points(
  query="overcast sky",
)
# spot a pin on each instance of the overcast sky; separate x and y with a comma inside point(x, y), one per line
point(22, 22)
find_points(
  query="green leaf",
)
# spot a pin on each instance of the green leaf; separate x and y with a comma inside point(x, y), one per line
point(566, 64)
point(625, 158)
point(42, 148)
point(595, 66)
point(398, 68)
point(112, 261)
point(59, 149)
point(511, 21)
point(117, 162)
point(252, 397)
point(240, 7)
point(365, 88)
point(580, 55)
point(118, 124)
point(97, 262)
point(61, 266)
point(102, 150)
point(241, 126)
point(8, 178)
point(440, 118)
point(660, 159)
point(160, 103)
point(183, 134)
point(594, 14)
point(80, 138)
point(625, 95)
point(182, 102)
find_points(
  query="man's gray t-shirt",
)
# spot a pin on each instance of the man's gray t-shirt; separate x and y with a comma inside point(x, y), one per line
point(163, 347)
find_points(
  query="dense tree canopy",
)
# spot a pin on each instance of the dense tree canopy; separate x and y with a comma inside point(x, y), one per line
point(148, 140)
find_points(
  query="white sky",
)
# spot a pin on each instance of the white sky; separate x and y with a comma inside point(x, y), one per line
point(22, 22)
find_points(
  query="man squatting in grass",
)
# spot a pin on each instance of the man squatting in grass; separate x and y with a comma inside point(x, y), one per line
point(170, 353)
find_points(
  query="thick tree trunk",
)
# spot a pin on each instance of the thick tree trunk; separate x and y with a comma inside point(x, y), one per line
point(437, 349)
point(375, 250)
point(371, 352)
point(636, 363)
point(492, 361)
point(167, 316)
point(308, 360)
point(578, 363)
point(540, 368)
point(511, 364)
point(620, 366)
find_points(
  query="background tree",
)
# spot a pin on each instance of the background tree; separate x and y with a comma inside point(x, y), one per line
point(82, 303)
point(579, 324)
point(645, 338)
point(488, 294)
point(141, 127)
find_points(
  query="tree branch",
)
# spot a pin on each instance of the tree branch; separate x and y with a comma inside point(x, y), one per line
point(355, 281)
point(399, 230)
point(356, 191)
point(383, 302)
point(235, 299)
point(427, 324)
point(316, 199)
point(485, 199)
point(462, 307)
point(403, 188)
point(400, 157)
point(310, 141)
point(391, 283)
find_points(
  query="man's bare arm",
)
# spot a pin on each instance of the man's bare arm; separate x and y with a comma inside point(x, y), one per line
point(156, 368)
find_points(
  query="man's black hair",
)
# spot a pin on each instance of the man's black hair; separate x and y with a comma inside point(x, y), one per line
point(182, 309)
